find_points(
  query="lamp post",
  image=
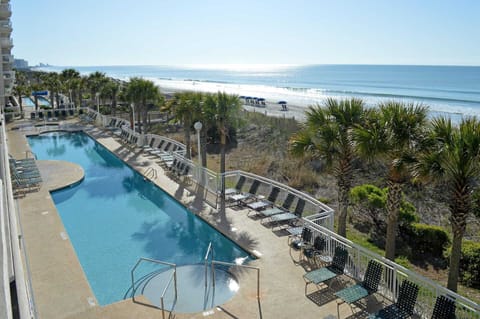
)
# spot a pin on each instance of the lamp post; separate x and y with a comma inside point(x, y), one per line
point(198, 127)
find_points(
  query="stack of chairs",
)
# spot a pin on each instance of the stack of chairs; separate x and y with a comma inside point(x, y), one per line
point(25, 176)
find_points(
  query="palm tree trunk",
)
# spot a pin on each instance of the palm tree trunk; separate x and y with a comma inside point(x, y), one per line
point(343, 200)
point(459, 212)
point(36, 102)
point(223, 140)
point(20, 104)
point(344, 183)
point(394, 198)
point(186, 129)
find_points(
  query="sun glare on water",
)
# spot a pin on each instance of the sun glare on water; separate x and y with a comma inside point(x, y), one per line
point(239, 67)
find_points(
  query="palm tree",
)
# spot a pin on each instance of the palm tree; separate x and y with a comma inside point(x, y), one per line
point(111, 90)
point(142, 94)
point(186, 107)
point(95, 82)
point(327, 134)
point(393, 134)
point(453, 159)
point(70, 78)
point(52, 81)
point(21, 89)
point(226, 112)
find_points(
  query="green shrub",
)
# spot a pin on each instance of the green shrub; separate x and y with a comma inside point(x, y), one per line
point(470, 264)
point(428, 239)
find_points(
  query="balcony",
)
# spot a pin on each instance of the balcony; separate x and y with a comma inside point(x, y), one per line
point(8, 88)
point(8, 77)
point(7, 58)
point(5, 11)
point(5, 26)
point(6, 42)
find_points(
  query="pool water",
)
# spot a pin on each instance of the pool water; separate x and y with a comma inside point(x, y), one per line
point(27, 101)
point(114, 217)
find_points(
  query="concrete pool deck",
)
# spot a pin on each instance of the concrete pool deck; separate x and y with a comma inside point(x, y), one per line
point(61, 289)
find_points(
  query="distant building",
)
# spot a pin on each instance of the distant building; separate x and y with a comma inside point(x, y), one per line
point(20, 64)
point(7, 77)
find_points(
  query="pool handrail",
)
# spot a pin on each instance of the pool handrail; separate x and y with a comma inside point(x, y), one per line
point(172, 265)
point(237, 265)
point(208, 253)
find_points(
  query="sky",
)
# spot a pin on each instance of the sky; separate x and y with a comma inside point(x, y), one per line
point(177, 32)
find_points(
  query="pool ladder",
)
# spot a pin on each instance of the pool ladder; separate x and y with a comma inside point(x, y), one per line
point(27, 152)
point(151, 173)
point(214, 262)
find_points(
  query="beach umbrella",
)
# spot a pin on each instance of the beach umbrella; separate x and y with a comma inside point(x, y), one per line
point(261, 99)
point(282, 102)
point(242, 97)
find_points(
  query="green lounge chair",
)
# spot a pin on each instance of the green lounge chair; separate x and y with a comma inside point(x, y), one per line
point(262, 204)
point(278, 210)
point(367, 287)
point(241, 198)
point(332, 271)
point(444, 308)
point(288, 217)
point(404, 306)
point(238, 187)
point(316, 250)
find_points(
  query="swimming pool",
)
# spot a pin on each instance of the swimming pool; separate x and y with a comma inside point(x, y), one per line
point(114, 217)
point(27, 101)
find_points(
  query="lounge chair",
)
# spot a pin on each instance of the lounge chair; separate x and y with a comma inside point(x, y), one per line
point(304, 239)
point(279, 219)
point(444, 308)
point(262, 204)
point(287, 203)
point(332, 271)
point(311, 252)
point(294, 231)
point(149, 146)
point(367, 287)
point(300, 241)
point(238, 187)
point(404, 306)
point(241, 198)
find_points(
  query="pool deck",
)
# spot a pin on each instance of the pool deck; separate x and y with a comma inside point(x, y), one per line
point(61, 289)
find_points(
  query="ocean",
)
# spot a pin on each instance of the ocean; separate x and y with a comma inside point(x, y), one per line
point(448, 90)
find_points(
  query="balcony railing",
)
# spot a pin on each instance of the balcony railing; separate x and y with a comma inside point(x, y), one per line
point(5, 26)
point(7, 58)
point(5, 10)
point(6, 42)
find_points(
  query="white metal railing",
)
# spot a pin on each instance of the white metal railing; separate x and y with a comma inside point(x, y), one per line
point(393, 275)
point(25, 299)
point(173, 277)
point(313, 204)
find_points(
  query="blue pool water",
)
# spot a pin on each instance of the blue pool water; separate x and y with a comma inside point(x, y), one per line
point(27, 101)
point(114, 217)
